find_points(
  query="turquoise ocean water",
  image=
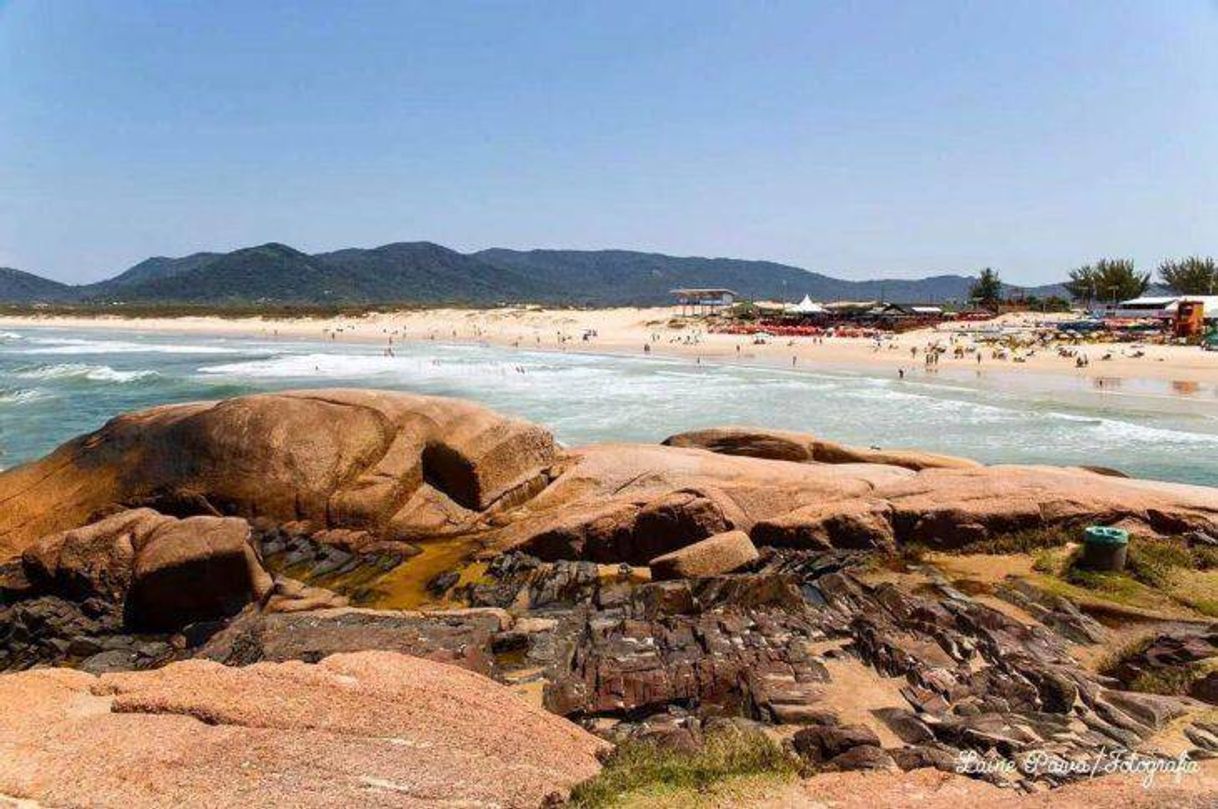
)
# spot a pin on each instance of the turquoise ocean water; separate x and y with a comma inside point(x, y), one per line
point(55, 384)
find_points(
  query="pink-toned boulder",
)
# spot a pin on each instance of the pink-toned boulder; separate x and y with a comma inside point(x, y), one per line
point(785, 445)
point(370, 729)
point(830, 452)
point(950, 507)
point(623, 502)
point(752, 442)
point(858, 523)
point(196, 569)
point(390, 468)
point(93, 560)
point(392, 462)
point(713, 556)
point(165, 572)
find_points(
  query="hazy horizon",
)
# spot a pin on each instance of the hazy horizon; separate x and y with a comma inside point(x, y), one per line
point(876, 140)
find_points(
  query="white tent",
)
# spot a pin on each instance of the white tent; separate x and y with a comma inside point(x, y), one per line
point(808, 307)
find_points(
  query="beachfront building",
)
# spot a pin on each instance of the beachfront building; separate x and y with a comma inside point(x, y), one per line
point(703, 301)
point(1163, 307)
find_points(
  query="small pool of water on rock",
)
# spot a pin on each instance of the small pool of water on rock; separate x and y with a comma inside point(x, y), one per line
point(405, 587)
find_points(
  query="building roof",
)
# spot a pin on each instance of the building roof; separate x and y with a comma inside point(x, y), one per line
point(698, 291)
point(1147, 301)
point(851, 304)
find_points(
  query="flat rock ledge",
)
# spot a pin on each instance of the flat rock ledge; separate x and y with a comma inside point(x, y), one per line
point(368, 729)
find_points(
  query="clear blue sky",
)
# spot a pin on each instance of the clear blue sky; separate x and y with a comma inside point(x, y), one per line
point(858, 139)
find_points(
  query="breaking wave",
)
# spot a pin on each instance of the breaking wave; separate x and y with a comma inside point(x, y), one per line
point(77, 370)
point(64, 345)
point(22, 396)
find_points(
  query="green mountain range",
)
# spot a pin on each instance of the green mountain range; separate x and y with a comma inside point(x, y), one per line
point(427, 273)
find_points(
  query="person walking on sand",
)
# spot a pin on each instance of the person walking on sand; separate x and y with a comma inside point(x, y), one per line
point(900, 373)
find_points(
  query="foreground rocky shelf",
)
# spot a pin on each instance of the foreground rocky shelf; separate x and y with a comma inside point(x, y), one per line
point(369, 729)
point(725, 579)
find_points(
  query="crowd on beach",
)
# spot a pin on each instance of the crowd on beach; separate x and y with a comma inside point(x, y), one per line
point(1011, 343)
point(926, 349)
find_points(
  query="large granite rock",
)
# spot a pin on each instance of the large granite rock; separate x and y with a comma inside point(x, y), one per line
point(346, 458)
point(721, 553)
point(852, 523)
point(370, 729)
point(949, 507)
point(631, 503)
point(160, 571)
point(621, 503)
point(784, 445)
point(753, 442)
point(392, 467)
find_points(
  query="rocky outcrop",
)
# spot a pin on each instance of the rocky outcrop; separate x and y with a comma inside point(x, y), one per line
point(852, 523)
point(784, 445)
point(631, 503)
point(757, 605)
point(716, 555)
point(370, 472)
point(369, 729)
point(773, 645)
point(460, 637)
point(96, 596)
point(402, 464)
point(1181, 659)
point(159, 572)
point(950, 507)
point(753, 442)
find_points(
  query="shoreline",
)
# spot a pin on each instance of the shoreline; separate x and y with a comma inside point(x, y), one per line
point(1179, 373)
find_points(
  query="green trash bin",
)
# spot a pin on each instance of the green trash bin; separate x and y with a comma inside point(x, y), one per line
point(1104, 548)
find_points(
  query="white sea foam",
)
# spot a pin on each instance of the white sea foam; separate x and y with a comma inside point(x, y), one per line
point(407, 368)
point(72, 346)
point(8, 336)
point(1117, 432)
point(78, 370)
point(591, 398)
point(22, 396)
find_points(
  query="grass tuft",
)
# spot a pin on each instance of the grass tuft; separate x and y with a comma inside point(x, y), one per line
point(1027, 541)
point(643, 769)
point(1155, 562)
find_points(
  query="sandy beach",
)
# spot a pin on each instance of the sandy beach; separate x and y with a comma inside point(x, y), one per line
point(1179, 370)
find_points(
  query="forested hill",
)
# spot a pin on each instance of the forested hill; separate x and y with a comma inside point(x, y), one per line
point(427, 273)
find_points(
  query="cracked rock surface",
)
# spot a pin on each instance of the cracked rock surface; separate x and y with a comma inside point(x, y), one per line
point(368, 729)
